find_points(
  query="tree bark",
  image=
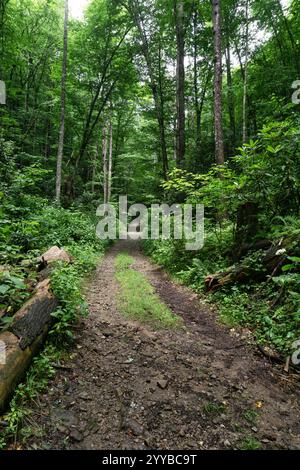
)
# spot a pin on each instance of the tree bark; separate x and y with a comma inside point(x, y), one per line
point(196, 90)
point(164, 155)
point(110, 157)
point(219, 146)
point(96, 156)
point(180, 81)
point(62, 108)
point(230, 98)
point(245, 133)
point(104, 161)
point(25, 336)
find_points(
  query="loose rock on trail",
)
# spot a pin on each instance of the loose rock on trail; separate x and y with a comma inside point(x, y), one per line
point(128, 386)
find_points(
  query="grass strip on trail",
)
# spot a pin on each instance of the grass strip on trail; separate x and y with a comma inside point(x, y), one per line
point(137, 298)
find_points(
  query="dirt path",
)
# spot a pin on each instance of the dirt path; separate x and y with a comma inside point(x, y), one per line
point(128, 387)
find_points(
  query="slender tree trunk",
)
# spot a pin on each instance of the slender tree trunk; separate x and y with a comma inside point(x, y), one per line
point(110, 160)
point(246, 73)
point(62, 108)
point(237, 51)
point(161, 112)
point(47, 149)
point(174, 138)
point(251, 105)
point(219, 146)
point(196, 89)
point(230, 99)
point(197, 104)
point(104, 161)
point(180, 80)
point(199, 111)
point(96, 156)
point(26, 97)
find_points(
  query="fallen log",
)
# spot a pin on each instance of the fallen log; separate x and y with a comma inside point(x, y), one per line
point(223, 278)
point(35, 314)
point(271, 262)
point(23, 338)
point(16, 363)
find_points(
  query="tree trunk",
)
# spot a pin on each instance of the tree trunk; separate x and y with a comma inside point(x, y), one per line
point(104, 160)
point(161, 112)
point(196, 91)
point(246, 73)
point(219, 147)
point(180, 79)
point(110, 156)
point(96, 156)
point(230, 98)
point(62, 108)
point(251, 105)
point(47, 148)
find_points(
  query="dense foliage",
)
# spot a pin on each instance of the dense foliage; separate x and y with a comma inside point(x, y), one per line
point(141, 99)
point(265, 174)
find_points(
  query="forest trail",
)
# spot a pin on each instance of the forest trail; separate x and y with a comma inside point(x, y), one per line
point(128, 386)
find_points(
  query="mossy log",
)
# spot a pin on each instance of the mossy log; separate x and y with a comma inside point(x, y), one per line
point(23, 339)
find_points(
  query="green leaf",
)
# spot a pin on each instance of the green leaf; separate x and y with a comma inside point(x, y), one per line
point(4, 288)
point(287, 267)
point(18, 283)
point(296, 259)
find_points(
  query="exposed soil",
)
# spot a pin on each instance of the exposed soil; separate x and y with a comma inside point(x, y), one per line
point(130, 387)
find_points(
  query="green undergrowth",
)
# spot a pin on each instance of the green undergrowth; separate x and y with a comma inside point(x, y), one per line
point(252, 199)
point(137, 298)
point(67, 285)
point(190, 267)
point(42, 226)
point(270, 308)
point(75, 233)
point(16, 426)
point(251, 307)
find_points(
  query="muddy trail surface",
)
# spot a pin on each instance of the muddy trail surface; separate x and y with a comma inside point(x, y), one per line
point(127, 386)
